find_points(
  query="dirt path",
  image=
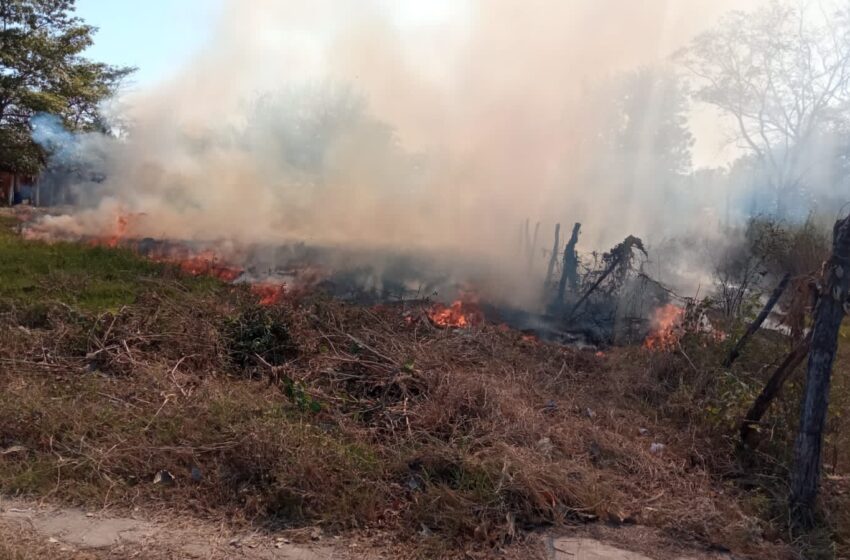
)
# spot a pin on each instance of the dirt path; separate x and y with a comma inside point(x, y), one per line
point(30, 531)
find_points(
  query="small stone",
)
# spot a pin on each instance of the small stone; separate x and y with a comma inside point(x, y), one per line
point(590, 413)
point(643, 431)
point(413, 484)
point(656, 448)
point(163, 477)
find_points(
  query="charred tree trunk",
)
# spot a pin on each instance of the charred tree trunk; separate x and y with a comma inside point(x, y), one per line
point(774, 386)
point(829, 312)
point(756, 325)
point(570, 271)
point(551, 269)
point(592, 289)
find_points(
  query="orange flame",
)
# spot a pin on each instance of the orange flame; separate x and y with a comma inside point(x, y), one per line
point(269, 294)
point(667, 328)
point(204, 263)
point(459, 314)
point(118, 234)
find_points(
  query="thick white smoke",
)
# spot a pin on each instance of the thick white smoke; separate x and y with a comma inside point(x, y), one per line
point(368, 123)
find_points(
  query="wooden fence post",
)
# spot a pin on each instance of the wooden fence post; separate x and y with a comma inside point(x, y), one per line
point(831, 307)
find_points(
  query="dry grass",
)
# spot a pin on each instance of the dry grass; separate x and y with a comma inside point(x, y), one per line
point(314, 412)
point(378, 419)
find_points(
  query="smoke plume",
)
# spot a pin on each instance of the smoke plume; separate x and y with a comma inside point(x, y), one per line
point(388, 125)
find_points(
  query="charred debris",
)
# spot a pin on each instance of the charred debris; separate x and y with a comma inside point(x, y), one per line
point(593, 299)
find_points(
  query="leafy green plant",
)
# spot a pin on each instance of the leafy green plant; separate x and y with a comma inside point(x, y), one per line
point(258, 332)
point(297, 394)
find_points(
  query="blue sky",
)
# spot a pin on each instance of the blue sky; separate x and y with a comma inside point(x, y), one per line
point(154, 35)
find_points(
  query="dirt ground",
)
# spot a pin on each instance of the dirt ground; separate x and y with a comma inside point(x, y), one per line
point(31, 530)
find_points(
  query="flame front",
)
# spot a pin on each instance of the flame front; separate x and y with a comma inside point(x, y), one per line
point(667, 328)
point(268, 293)
point(459, 314)
point(122, 221)
point(205, 263)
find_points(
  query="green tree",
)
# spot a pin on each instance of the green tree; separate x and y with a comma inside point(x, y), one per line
point(42, 70)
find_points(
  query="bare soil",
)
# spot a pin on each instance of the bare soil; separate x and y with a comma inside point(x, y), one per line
point(30, 530)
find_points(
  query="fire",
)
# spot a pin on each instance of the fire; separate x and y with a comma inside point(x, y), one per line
point(667, 328)
point(269, 294)
point(459, 314)
point(119, 233)
point(204, 263)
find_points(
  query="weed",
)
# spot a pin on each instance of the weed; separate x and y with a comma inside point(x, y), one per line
point(259, 332)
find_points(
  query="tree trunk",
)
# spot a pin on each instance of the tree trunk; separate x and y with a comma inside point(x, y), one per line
point(771, 390)
point(16, 188)
point(570, 271)
point(829, 312)
point(756, 325)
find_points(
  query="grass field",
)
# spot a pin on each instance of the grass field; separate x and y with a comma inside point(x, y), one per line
point(116, 372)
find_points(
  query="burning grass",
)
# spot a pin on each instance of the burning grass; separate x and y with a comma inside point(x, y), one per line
point(309, 411)
point(87, 277)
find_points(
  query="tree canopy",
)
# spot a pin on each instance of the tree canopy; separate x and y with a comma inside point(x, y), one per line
point(42, 70)
point(782, 73)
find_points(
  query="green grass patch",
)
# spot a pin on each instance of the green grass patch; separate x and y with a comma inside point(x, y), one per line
point(83, 276)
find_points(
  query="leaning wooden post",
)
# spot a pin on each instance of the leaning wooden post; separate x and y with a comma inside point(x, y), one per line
point(756, 325)
point(774, 385)
point(829, 312)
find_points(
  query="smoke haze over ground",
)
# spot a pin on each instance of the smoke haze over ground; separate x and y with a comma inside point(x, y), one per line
point(392, 125)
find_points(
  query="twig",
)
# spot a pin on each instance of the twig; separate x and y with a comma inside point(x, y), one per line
point(174, 370)
point(167, 398)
